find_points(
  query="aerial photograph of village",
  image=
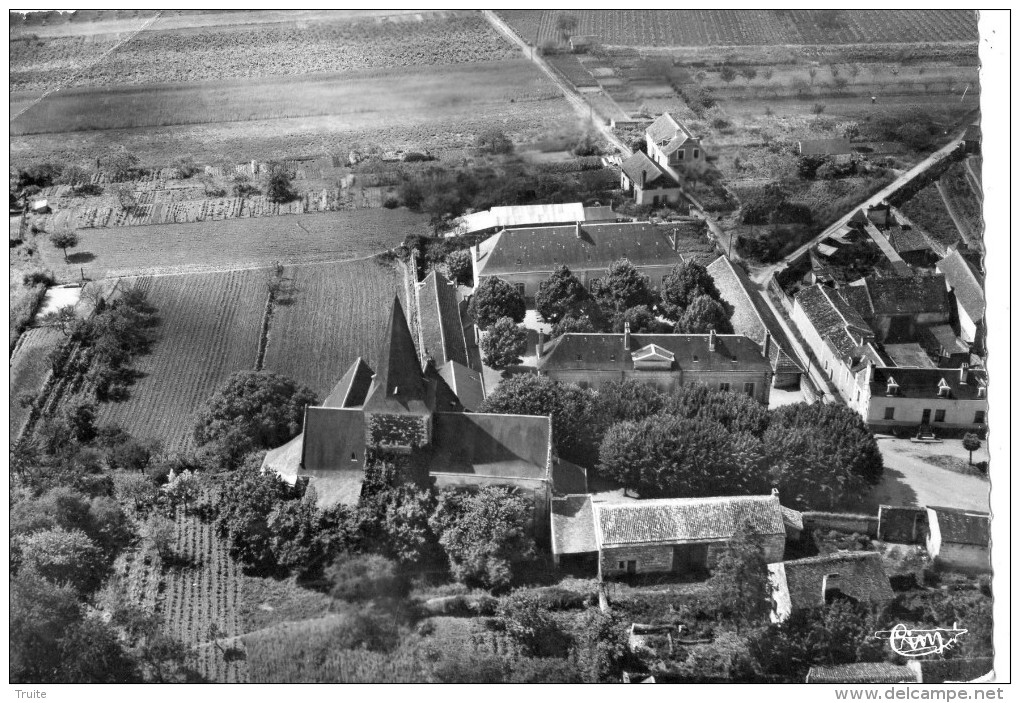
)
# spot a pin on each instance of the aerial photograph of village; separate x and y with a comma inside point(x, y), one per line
point(501, 346)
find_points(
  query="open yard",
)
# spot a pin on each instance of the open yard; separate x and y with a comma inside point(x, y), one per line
point(210, 328)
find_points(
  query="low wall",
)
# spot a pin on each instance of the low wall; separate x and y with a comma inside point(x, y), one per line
point(844, 522)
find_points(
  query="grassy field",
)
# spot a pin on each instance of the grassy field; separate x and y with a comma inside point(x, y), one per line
point(211, 325)
point(29, 370)
point(336, 313)
point(928, 210)
point(233, 244)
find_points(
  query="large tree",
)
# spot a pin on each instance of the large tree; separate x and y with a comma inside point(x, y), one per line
point(740, 584)
point(623, 287)
point(41, 612)
point(495, 298)
point(504, 344)
point(703, 315)
point(280, 188)
point(247, 501)
point(684, 283)
point(641, 319)
point(253, 410)
point(560, 295)
point(63, 557)
point(64, 239)
point(459, 267)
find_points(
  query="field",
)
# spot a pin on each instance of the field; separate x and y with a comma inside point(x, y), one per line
point(962, 201)
point(928, 211)
point(664, 28)
point(29, 370)
point(211, 324)
point(234, 243)
point(337, 313)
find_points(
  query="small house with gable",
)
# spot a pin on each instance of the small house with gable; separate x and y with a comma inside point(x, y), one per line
point(647, 182)
point(816, 581)
point(967, 286)
point(671, 145)
point(959, 539)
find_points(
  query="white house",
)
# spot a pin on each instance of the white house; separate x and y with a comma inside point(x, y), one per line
point(959, 538)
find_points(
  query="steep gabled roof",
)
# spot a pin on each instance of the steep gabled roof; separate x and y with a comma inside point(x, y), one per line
point(352, 389)
point(685, 519)
point(838, 324)
point(333, 438)
point(573, 527)
point(902, 295)
point(441, 327)
point(966, 283)
point(489, 445)
point(963, 526)
point(861, 576)
point(638, 166)
point(399, 386)
point(465, 383)
point(669, 133)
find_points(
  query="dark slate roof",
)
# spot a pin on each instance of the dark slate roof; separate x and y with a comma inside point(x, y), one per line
point(465, 383)
point(543, 249)
point(902, 295)
point(907, 240)
point(573, 526)
point(966, 283)
point(353, 388)
point(399, 386)
point(639, 164)
point(439, 317)
point(825, 147)
point(568, 478)
point(861, 576)
point(751, 315)
point(863, 672)
point(946, 338)
point(908, 354)
point(599, 213)
point(924, 383)
point(604, 351)
point(331, 437)
point(675, 520)
point(963, 526)
point(498, 446)
point(842, 327)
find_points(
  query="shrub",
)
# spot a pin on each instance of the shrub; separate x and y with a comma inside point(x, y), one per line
point(365, 577)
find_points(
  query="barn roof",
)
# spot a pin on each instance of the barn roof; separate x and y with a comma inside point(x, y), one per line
point(861, 577)
point(902, 295)
point(675, 520)
point(573, 527)
point(441, 328)
point(862, 672)
point(963, 526)
point(966, 283)
point(498, 446)
point(838, 324)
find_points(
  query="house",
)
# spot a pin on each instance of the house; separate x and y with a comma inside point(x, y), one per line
point(753, 318)
point(864, 672)
point(894, 398)
point(510, 216)
point(905, 524)
point(443, 339)
point(647, 182)
point(897, 307)
point(836, 333)
point(959, 539)
point(673, 147)
point(730, 362)
point(527, 257)
point(815, 581)
point(942, 343)
point(579, 43)
point(968, 288)
point(681, 535)
point(40, 207)
point(401, 409)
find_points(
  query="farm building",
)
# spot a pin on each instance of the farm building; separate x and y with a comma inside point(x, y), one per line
point(753, 319)
point(895, 308)
point(904, 524)
point(511, 216)
point(527, 257)
point(573, 532)
point(815, 581)
point(864, 672)
point(682, 534)
point(959, 539)
point(729, 362)
point(403, 410)
point(968, 288)
point(647, 182)
point(890, 398)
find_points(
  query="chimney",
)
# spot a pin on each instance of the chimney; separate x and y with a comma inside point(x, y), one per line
point(711, 340)
point(964, 368)
point(644, 176)
point(540, 347)
point(673, 239)
point(766, 345)
point(474, 253)
point(577, 230)
point(626, 335)
point(775, 493)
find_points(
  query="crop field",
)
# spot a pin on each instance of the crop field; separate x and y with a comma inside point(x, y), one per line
point(336, 313)
point(30, 369)
point(928, 211)
point(211, 324)
point(571, 69)
point(962, 200)
point(233, 244)
point(666, 28)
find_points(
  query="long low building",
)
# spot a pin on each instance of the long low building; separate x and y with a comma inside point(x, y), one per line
point(508, 216)
point(891, 398)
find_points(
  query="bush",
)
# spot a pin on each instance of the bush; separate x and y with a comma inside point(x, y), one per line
point(528, 623)
point(391, 202)
point(365, 577)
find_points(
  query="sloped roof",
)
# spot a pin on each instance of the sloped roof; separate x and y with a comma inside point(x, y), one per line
point(465, 383)
point(599, 213)
point(674, 520)
point(902, 295)
point(605, 351)
point(793, 519)
point(909, 354)
point(924, 383)
point(499, 446)
point(861, 576)
point(285, 460)
point(751, 315)
point(907, 240)
point(331, 437)
point(863, 672)
point(520, 216)
point(638, 165)
point(842, 327)
point(353, 388)
point(966, 283)
point(439, 315)
point(573, 526)
point(948, 339)
point(666, 126)
point(399, 386)
point(963, 526)
point(542, 249)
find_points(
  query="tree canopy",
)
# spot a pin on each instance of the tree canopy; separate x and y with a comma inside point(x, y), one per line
point(560, 295)
point(703, 315)
point(623, 287)
point(504, 344)
point(459, 267)
point(740, 584)
point(684, 283)
point(495, 298)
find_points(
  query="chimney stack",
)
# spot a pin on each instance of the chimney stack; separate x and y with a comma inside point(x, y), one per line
point(626, 335)
point(964, 367)
point(540, 347)
point(577, 230)
point(711, 340)
point(644, 176)
point(766, 345)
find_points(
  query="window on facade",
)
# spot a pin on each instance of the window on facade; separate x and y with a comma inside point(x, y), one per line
point(724, 386)
point(578, 357)
point(940, 416)
point(749, 388)
point(981, 392)
point(979, 417)
point(697, 153)
point(890, 413)
point(354, 457)
point(680, 155)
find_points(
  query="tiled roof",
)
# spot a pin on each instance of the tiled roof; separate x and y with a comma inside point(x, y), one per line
point(751, 316)
point(793, 519)
point(946, 338)
point(685, 519)
point(834, 320)
point(860, 576)
point(353, 388)
point(907, 240)
point(331, 437)
point(441, 327)
point(963, 526)
point(638, 166)
point(966, 283)
point(604, 351)
point(924, 383)
point(824, 147)
point(908, 295)
point(399, 386)
point(863, 672)
point(573, 526)
point(581, 248)
point(909, 354)
point(465, 383)
point(666, 127)
point(498, 446)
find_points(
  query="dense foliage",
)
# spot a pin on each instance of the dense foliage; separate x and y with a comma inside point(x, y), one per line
point(495, 299)
point(560, 295)
point(504, 344)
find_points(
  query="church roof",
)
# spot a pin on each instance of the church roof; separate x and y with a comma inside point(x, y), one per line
point(399, 386)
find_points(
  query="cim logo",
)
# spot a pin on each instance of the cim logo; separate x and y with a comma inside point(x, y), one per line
point(921, 643)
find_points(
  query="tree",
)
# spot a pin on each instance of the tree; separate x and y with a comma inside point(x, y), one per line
point(565, 25)
point(504, 344)
point(182, 489)
point(459, 267)
point(138, 490)
point(971, 443)
point(63, 557)
point(280, 189)
point(529, 623)
point(243, 187)
point(91, 652)
point(854, 70)
point(727, 73)
point(818, 108)
point(253, 410)
point(839, 84)
point(484, 533)
point(737, 412)
point(560, 295)
point(79, 416)
point(704, 314)
point(641, 319)
point(749, 73)
point(365, 577)
point(185, 166)
point(624, 287)
point(494, 141)
point(495, 298)
point(304, 538)
point(572, 324)
point(126, 197)
point(41, 612)
point(740, 578)
point(247, 500)
point(812, 74)
point(74, 175)
point(685, 282)
point(767, 74)
point(64, 239)
point(63, 319)
point(159, 532)
point(122, 166)
point(600, 647)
